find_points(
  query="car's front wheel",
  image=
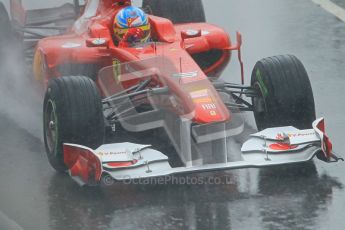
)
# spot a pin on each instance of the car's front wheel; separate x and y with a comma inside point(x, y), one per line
point(285, 96)
point(72, 113)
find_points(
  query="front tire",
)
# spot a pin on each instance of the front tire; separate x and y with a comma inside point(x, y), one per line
point(285, 93)
point(72, 114)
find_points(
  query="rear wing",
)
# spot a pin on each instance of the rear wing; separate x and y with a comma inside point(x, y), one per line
point(33, 25)
point(63, 15)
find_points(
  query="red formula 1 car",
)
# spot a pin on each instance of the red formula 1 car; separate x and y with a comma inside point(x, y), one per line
point(170, 84)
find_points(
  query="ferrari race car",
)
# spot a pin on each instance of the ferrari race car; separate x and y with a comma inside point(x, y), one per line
point(168, 88)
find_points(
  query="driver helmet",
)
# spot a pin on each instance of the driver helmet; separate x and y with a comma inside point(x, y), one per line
point(132, 17)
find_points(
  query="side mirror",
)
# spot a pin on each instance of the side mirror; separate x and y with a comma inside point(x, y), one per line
point(238, 43)
point(239, 39)
point(97, 42)
point(238, 48)
point(185, 34)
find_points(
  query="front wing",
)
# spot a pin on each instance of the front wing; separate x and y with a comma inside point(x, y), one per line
point(128, 161)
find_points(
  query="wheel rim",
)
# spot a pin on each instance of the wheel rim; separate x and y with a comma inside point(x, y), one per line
point(259, 102)
point(50, 126)
point(260, 106)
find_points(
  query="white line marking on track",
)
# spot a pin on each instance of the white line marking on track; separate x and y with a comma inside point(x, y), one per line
point(331, 8)
point(7, 223)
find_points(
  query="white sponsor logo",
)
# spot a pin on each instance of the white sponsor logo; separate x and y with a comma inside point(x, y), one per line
point(119, 155)
point(99, 41)
point(205, 32)
point(199, 93)
point(209, 106)
point(186, 75)
point(70, 45)
point(192, 32)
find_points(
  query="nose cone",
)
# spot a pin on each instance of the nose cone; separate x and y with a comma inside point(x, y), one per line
point(210, 113)
point(209, 107)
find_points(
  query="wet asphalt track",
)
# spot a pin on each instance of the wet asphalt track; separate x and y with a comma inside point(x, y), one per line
point(34, 197)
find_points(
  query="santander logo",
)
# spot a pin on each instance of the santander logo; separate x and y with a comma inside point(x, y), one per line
point(283, 136)
point(280, 137)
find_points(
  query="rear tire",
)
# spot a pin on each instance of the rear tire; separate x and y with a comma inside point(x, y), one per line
point(72, 114)
point(285, 93)
point(178, 11)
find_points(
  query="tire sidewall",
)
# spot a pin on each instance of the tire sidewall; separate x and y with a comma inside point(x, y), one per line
point(56, 157)
point(262, 85)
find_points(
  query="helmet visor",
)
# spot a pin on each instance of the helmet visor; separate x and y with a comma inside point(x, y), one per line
point(120, 32)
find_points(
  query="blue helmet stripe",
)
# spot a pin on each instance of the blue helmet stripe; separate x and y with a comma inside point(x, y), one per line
point(121, 19)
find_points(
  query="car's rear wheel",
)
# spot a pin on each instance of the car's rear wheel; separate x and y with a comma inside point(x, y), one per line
point(285, 93)
point(178, 11)
point(72, 114)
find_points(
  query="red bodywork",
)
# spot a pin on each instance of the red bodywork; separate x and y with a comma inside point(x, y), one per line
point(75, 50)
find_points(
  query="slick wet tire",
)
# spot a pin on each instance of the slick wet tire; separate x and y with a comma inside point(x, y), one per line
point(285, 96)
point(178, 11)
point(72, 114)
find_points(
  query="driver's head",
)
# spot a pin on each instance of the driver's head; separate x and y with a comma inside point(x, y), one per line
point(128, 18)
